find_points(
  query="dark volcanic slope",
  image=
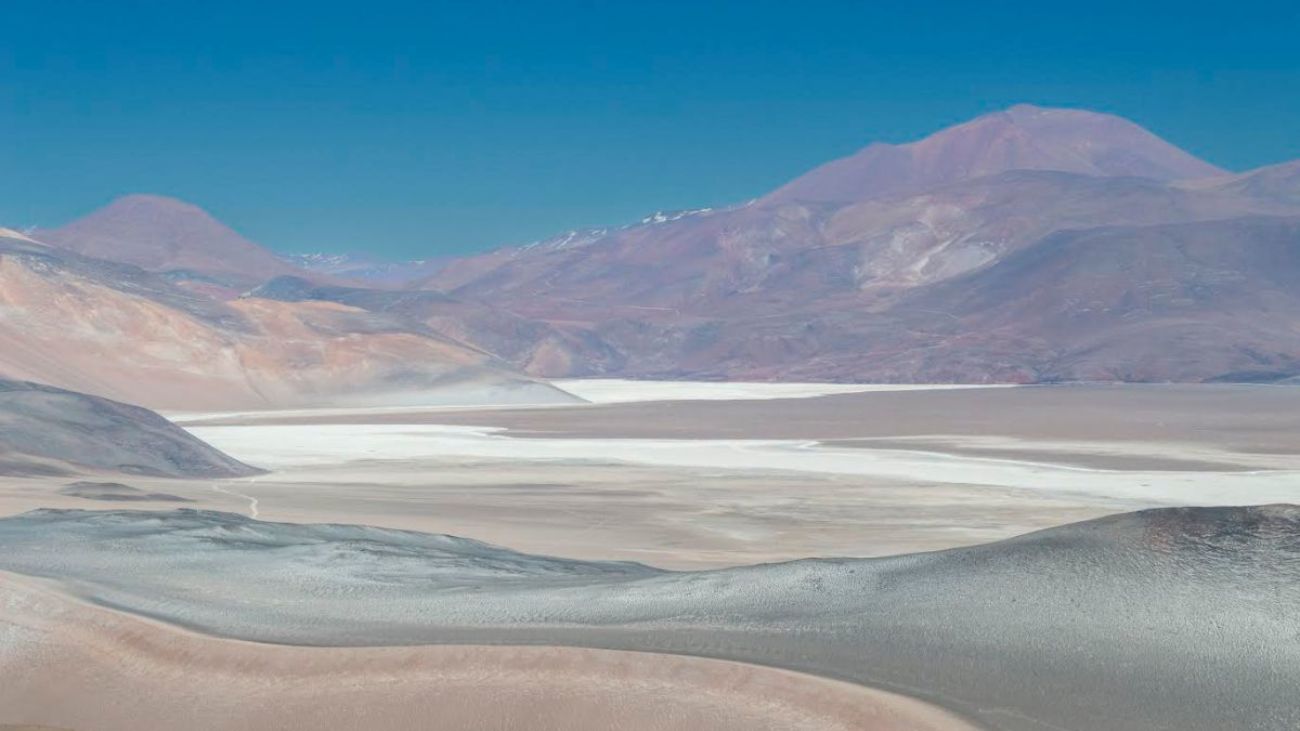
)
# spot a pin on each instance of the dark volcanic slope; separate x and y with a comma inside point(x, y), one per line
point(1165, 619)
point(53, 425)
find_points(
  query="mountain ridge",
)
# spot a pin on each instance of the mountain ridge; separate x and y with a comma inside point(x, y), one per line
point(817, 286)
point(848, 272)
point(116, 331)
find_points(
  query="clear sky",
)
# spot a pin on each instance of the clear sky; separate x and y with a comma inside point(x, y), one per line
point(426, 128)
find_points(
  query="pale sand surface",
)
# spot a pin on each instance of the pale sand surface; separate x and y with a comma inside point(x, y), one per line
point(73, 665)
point(283, 447)
point(700, 484)
point(665, 517)
point(593, 391)
point(616, 390)
point(1243, 420)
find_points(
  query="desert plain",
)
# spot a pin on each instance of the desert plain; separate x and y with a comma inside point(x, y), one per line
point(631, 554)
point(680, 481)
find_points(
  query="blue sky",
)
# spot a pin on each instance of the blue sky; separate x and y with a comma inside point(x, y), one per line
point(417, 129)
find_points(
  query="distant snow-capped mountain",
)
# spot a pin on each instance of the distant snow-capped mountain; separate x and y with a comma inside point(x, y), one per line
point(365, 268)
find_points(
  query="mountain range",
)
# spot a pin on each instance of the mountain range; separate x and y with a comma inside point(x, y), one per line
point(1027, 245)
point(367, 269)
point(115, 330)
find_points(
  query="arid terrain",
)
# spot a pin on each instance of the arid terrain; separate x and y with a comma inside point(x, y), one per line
point(583, 508)
point(707, 483)
point(994, 429)
point(1031, 244)
point(724, 482)
point(992, 632)
point(69, 662)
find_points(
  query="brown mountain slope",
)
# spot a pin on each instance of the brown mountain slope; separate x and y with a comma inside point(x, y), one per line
point(969, 194)
point(791, 292)
point(835, 285)
point(1179, 302)
point(1278, 184)
point(792, 255)
point(116, 331)
point(535, 346)
point(1169, 302)
point(865, 269)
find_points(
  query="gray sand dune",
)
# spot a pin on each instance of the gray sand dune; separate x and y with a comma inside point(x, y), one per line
point(1173, 618)
point(42, 425)
point(70, 664)
point(117, 492)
